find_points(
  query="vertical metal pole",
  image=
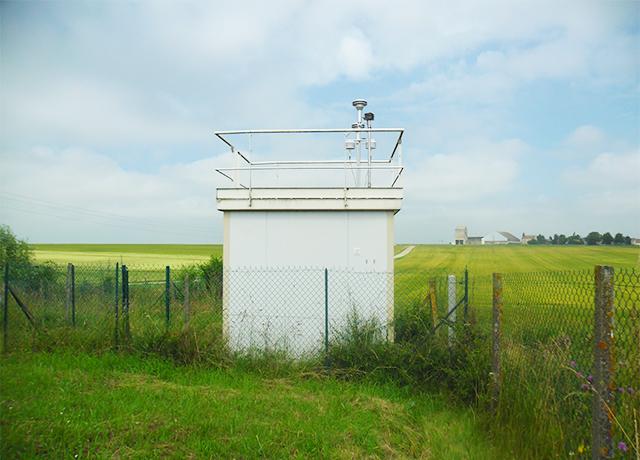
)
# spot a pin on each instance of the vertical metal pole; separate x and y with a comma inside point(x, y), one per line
point(5, 307)
point(326, 310)
point(603, 366)
point(73, 295)
point(167, 295)
point(497, 334)
point(117, 292)
point(451, 313)
point(125, 301)
point(187, 306)
point(67, 305)
point(369, 154)
point(434, 302)
point(466, 294)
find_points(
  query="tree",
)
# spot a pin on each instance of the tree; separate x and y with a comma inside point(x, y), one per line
point(607, 238)
point(541, 239)
point(593, 238)
point(13, 250)
point(575, 239)
point(562, 239)
point(627, 240)
point(555, 239)
point(21, 266)
point(618, 239)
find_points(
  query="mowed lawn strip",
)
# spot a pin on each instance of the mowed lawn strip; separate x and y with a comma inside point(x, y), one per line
point(63, 405)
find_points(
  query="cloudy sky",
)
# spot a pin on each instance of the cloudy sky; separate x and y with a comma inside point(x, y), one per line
point(520, 116)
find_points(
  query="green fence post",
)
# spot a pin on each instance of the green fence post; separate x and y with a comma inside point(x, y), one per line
point(125, 301)
point(117, 292)
point(67, 306)
point(167, 295)
point(466, 293)
point(326, 310)
point(73, 295)
point(5, 307)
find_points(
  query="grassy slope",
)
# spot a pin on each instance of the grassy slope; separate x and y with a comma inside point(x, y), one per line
point(57, 405)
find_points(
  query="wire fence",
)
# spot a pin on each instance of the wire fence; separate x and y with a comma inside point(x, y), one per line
point(564, 347)
point(298, 310)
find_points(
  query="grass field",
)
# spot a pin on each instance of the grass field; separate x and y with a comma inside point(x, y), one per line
point(132, 407)
point(114, 406)
point(133, 254)
point(481, 260)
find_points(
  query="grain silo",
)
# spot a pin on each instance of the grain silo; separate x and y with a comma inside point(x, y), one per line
point(311, 242)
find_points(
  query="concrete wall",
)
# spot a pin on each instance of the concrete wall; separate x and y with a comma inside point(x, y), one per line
point(274, 277)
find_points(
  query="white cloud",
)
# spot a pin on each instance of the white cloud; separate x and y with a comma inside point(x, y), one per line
point(176, 202)
point(147, 76)
point(585, 137)
point(473, 175)
point(610, 171)
point(355, 55)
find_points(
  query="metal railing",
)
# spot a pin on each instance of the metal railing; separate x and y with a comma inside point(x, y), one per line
point(351, 167)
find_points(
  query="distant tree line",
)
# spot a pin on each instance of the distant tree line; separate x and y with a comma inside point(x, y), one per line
point(591, 239)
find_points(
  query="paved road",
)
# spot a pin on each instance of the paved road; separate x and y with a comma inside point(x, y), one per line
point(404, 252)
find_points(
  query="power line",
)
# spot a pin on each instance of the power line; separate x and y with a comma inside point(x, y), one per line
point(66, 212)
point(87, 211)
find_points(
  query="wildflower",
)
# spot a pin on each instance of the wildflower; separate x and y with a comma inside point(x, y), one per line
point(579, 374)
point(621, 389)
point(590, 378)
point(585, 387)
point(630, 390)
point(572, 364)
point(623, 446)
point(581, 449)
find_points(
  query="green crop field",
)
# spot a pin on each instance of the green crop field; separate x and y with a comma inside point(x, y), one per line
point(133, 254)
point(481, 260)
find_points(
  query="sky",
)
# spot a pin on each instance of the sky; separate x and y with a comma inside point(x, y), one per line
point(519, 116)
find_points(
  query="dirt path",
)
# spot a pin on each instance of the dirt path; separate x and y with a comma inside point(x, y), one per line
point(404, 252)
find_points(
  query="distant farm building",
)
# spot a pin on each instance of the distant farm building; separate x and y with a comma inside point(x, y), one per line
point(500, 238)
point(461, 237)
point(526, 238)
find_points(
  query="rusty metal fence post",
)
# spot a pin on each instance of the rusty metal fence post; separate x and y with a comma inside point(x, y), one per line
point(434, 303)
point(497, 335)
point(603, 365)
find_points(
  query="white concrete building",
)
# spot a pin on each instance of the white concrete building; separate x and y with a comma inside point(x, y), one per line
point(460, 235)
point(280, 236)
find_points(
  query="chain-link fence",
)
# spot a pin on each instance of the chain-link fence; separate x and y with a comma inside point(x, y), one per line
point(568, 357)
point(297, 311)
point(562, 341)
